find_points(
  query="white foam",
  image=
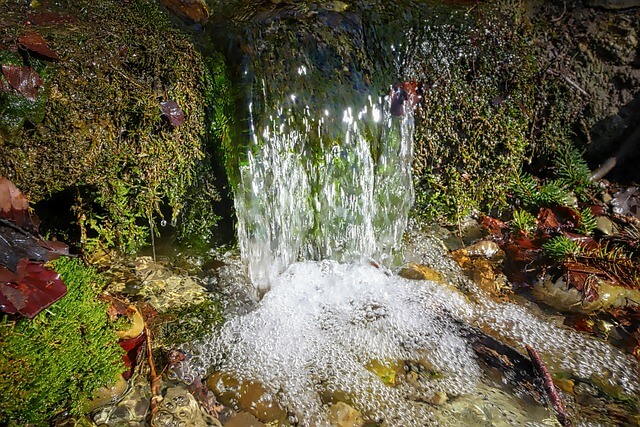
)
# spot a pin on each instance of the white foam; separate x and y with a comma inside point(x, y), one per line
point(322, 322)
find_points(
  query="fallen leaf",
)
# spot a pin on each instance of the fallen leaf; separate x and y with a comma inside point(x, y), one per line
point(132, 347)
point(29, 290)
point(19, 230)
point(16, 244)
point(172, 112)
point(23, 79)
point(14, 205)
point(627, 202)
point(34, 42)
point(50, 18)
point(493, 225)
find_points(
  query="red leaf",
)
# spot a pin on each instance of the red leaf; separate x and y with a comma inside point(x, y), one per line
point(172, 112)
point(13, 204)
point(23, 79)
point(34, 42)
point(132, 347)
point(493, 225)
point(30, 290)
point(50, 18)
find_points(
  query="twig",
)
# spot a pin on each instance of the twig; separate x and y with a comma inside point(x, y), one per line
point(549, 388)
point(156, 397)
point(575, 85)
point(564, 10)
point(606, 167)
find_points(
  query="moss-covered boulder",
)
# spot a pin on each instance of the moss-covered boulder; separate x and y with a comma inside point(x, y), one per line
point(56, 361)
point(102, 136)
point(488, 107)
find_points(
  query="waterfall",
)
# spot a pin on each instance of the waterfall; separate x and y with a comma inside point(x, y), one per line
point(306, 195)
point(323, 188)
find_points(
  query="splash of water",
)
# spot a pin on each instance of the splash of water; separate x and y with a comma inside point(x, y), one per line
point(322, 192)
point(310, 193)
point(314, 335)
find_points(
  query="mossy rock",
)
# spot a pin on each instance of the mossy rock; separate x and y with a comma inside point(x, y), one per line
point(102, 136)
point(488, 108)
point(55, 362)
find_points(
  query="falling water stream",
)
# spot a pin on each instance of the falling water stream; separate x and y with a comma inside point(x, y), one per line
point(322, 201)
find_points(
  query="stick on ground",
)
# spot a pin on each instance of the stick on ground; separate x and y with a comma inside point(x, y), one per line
point(549, 387)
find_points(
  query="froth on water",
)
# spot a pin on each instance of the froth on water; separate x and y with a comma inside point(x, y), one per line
point(315, 335)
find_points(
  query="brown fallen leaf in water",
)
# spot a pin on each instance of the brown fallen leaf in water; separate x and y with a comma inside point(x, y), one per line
point(35, 43)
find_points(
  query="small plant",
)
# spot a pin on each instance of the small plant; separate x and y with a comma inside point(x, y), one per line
point(573, 172)
point(524, 221)
point(530, 193)
point(588, 222)
point(561, 247)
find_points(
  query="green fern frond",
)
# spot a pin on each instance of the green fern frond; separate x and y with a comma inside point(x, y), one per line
point(524, 221)
point(588, 222)
point(553, 193)
point(561, 247)
point(573, 172)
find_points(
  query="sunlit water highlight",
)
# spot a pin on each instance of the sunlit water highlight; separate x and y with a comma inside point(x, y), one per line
point(308, 194)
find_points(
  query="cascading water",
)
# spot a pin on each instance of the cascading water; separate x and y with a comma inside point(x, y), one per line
point(325, 188)
point(348, 203)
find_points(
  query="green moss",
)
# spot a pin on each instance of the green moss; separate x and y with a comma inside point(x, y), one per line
point(55, 362)
point(488, 108)
point(102, 134)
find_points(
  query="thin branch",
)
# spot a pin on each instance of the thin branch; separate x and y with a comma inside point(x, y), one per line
point(156, 396)
point(549, 387)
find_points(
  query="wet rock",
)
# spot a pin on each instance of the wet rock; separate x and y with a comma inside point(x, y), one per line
point(480, 263)
point(606, 226)
point(250, 396)
point(413, 271)
point(440, 398)
point(193, 10)
point(483, 248)
point(614, 4)
point(106, 395)
point(388, 372)
point(179, 408)
point(136, 326)
point(243, 419)
point(154, 283)
point(131, 409)
point(567, 299)
point(343, 415)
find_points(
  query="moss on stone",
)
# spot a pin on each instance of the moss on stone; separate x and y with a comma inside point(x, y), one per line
point(56, 361)
point(102, 134)
point(488, 108)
